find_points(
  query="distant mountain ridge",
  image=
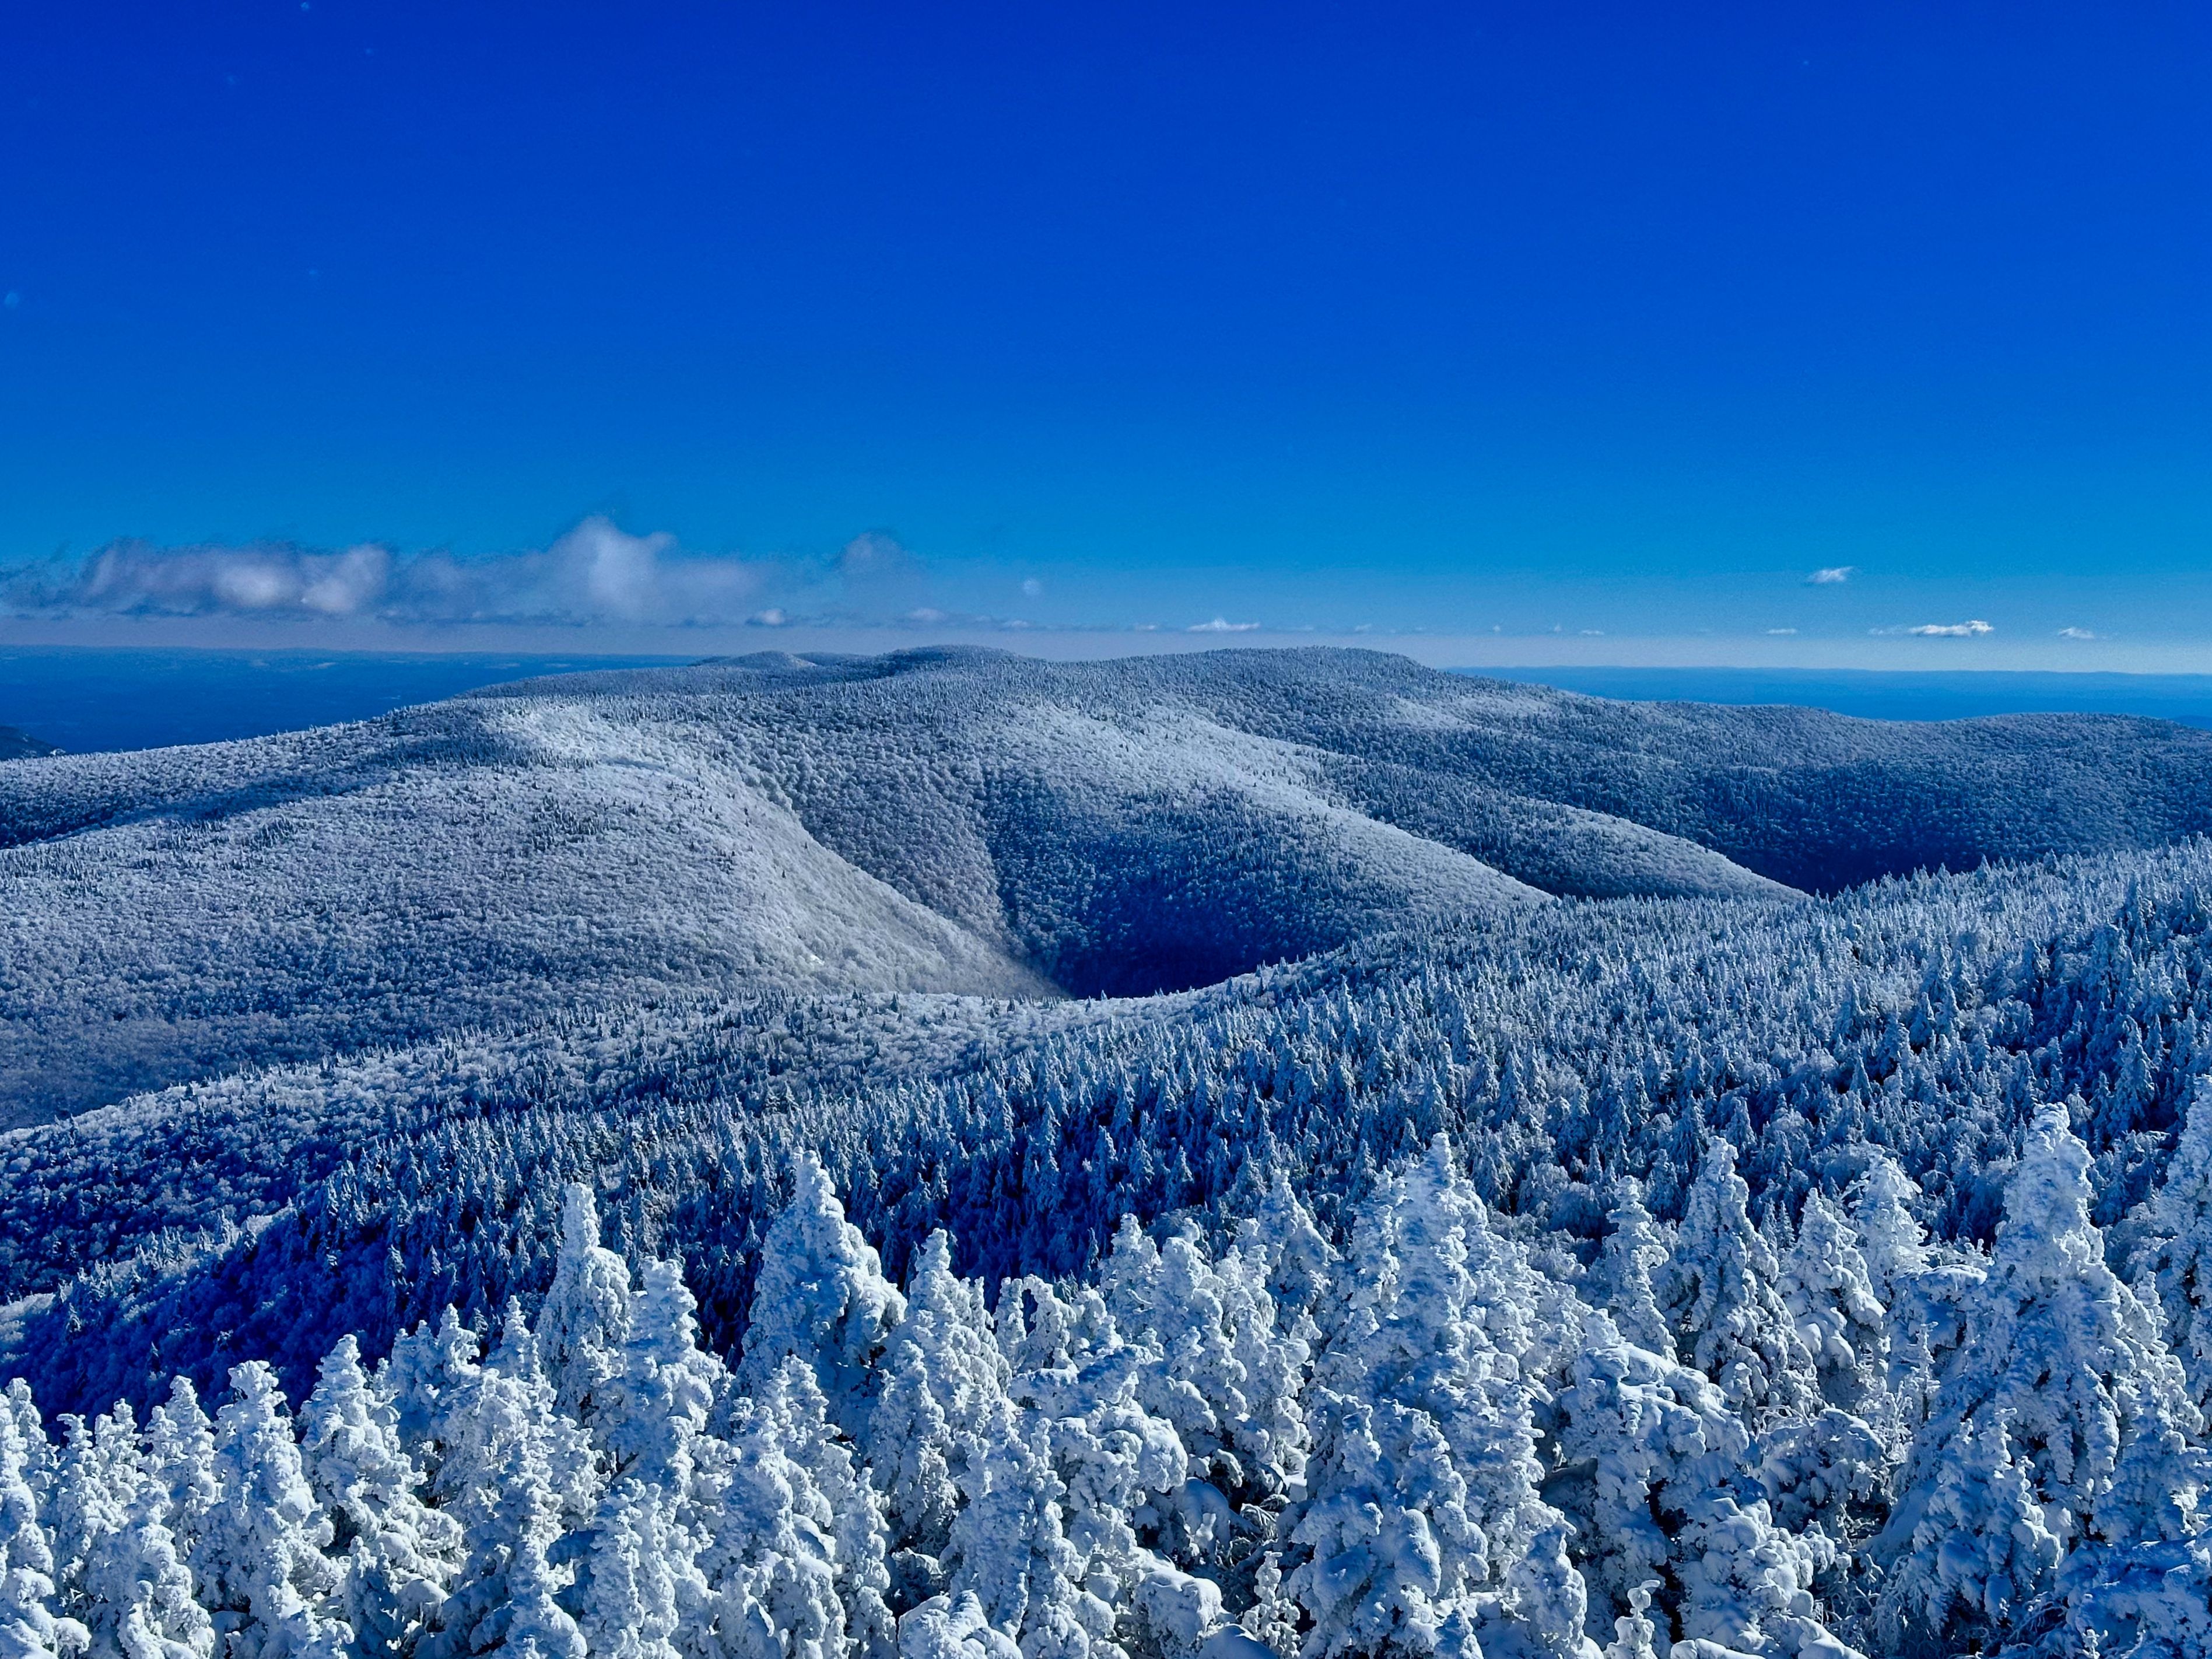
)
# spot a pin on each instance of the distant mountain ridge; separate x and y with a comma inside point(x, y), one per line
point(16, 745)
point(955, 821)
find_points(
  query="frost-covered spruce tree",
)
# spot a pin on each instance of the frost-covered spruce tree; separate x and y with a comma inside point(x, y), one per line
point(2062, 1423)
point(95, 1483)
point(1662, 1494)
point(39, 1458)
point(1076, 1378)
point(139, 1592)
point(771, 1563)
point(1891, 1241)
point(1720, 1295)
point(508, 1600)
point(816, 1445)
point(2175, 1264)
point(1215, 1368)
point(952, 1627)
point(28, 1627)
point(259, 1563)
point(1296, 1258)
point(1829, 1291)
point(485, 1413)
point(1011, 1553)
point(585, 1321)
point(636, 1576)
point(943, 1378)
point(399, 1555)
point(1423, 1483)
point(181, 1459)
point(1621, 1283)
point(659, 1405)
point(821, 1295)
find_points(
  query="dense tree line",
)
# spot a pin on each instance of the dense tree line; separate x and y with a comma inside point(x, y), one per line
point(1713, 1442)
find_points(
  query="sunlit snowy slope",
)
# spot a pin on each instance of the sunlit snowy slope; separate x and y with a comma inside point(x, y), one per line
point(945, 821)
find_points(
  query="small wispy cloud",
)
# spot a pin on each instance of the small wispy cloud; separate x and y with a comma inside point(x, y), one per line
point(1221, 625)
point(1779, 633)
point(1951, 629)
point(2077, 633)
point(1831, 574)
point(1032, 586)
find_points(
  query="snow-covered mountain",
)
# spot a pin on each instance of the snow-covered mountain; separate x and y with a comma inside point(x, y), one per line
point(941, 821)
point(1541, 1203)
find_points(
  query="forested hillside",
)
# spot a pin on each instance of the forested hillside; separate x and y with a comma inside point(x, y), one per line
point(1483, 1268)
point(960, 822)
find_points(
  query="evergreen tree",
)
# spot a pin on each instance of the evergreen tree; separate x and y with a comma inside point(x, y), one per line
point(1662, 1498)
point(259, 1562)
point(399, 1555)
point(1621, 1283)
point(585, 1323)
point(1010, 1550)
point(657, 1408)
point(1422, 1490)
point(2177, 1262)
point(181, 1459)
point(1829, 1291)
point(822, 1295)
point(2064, 1420)
point(943, 1377)
point(28, 1627)
point(1720, 1295)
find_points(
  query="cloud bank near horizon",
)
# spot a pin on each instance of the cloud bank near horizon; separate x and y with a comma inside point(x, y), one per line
point(596, 573)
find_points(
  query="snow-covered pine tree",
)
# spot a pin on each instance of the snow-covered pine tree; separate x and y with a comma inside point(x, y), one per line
point(259, 1562)
point(1721, 1299)
point(95, 1484)
point(636, 1575)
point(181, 1459)
point(1622, 1281)
point(1422, 1490)
point(139, 1592)
point(814, 1444)
point(1655, 1467)
point(1829, 1292)
point(2062, 1423)
point(585, 1321)
point(656, 1408)
point(1011, 1553)
point(943, 1378)
point(29, 1626)
point(821, 1295)
point(2176, 1262)
point(398, 1554)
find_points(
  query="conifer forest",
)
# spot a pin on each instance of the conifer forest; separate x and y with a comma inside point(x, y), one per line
point(1251, 1155)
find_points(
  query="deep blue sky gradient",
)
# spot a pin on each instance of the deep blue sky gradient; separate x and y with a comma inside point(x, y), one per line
point(1621, 318)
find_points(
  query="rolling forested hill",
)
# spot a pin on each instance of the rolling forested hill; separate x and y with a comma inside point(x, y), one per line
point(1377, 1163)
point(947, 821)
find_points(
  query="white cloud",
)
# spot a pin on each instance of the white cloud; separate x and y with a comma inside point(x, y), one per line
point(596, 572)
point(1780, 633)
point(771, 618)
point(1032, 586)
point(1593, 633)
point(1951, 629)
point(1221, 625)
point(1828, 576)
point(2075, 633)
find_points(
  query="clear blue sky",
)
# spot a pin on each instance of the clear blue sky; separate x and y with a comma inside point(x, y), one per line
point(1619, 318)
